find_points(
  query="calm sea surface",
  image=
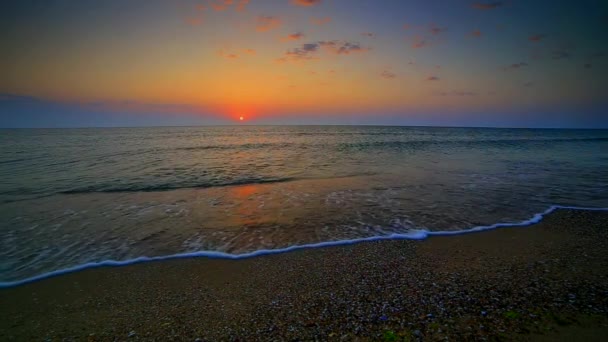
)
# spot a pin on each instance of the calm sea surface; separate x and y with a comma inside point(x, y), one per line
point(73, 196)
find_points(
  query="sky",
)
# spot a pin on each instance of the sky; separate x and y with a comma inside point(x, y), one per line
point(514, 63)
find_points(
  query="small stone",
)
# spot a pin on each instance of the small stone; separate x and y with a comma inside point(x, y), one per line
point(132, 333)
point(417, 333)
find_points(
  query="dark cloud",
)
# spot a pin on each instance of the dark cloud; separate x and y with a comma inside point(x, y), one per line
point(432, 78)
point(388, 74)
point(476, 34)
point(309, 51)
point(516, 66)
point(419, 43)
point(560, 54)
point(529, 84)
point(537, 37)
point(587, 65)
point(267, 23)
point(368, 34)
point(435, 30)
point(487, 5)
point(306, 2)
point(599, 54)
point(342, 47)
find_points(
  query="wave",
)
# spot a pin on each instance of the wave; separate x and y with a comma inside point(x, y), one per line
point(413, 144)
point(169, 187)
point(387, 143)
point(420, 234)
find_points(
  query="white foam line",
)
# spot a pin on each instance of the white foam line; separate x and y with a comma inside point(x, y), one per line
point(413, 235)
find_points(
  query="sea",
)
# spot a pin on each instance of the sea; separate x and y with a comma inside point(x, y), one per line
point(78, 198)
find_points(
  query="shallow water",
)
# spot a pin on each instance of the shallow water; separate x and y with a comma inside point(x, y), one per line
point(75, 196)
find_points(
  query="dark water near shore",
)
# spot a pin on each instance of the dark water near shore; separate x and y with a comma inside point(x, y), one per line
point(68, 197)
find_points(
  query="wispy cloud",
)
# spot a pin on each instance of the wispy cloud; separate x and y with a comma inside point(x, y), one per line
point(234, 54)
point(432, 78)
point(529, 84)
point(320, 21)
point(560, 54)
point(419, 43)
point(268, 23)
point(306, 2)
point(293, 37)
point(435, 30)
point(487, 5)
point(537, 37)
point(459, 93)
point(515, 66)
point(475, 34)
point(342, 47)
point(388, 74)
point(222, 5)
point(368, 34)
point(310, 51)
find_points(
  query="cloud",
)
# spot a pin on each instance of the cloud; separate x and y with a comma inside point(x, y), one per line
point(368, 34)
point(475, 34)
point(432, 78)
point(293, 37)
point(587, 65)
point(515, 66)
point(388, 74)
point(487, 5)
point(320, 21)
point(221, 5)
point(560, 54)
point(537, 37)
point(309, 51)
point(529, 84)
point(267, 23)
point(304, 52)
point(194, 20)
point(306, 3)
point(419, 43)
point(342, 47)
point(235, 54)
point(435, 30)
point(459, 93)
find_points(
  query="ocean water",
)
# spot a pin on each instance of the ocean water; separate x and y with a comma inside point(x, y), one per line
point(70, 197)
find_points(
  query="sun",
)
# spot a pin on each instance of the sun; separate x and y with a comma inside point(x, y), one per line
point(241, 118)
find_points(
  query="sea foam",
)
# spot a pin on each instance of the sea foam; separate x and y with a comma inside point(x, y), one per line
point(411, 235)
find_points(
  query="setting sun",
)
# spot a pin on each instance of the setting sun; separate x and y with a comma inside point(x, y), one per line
point(241, 118)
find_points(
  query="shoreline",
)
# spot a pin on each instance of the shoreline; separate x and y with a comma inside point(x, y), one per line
point(500, 283)
point(414, 235)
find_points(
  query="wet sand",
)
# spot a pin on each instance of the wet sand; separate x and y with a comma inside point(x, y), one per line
point(548, 281)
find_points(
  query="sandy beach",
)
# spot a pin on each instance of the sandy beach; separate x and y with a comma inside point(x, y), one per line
point(543, 282)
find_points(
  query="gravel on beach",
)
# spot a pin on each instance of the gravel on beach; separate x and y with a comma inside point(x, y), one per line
point(547, 281)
